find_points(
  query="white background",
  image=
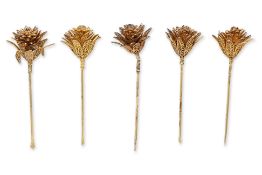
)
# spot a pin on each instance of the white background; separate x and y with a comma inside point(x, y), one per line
point(110, 92)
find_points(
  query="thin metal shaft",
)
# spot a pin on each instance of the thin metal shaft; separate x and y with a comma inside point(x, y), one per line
point(82, 104)
point(137, 99)
point(228, 97)
point(31, 106)
point(180, 100)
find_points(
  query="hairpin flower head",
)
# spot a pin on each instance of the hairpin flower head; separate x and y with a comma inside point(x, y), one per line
point(81, 41)
point(182, 39)
point(29, 43)
point(232, 41)
point(132, 37)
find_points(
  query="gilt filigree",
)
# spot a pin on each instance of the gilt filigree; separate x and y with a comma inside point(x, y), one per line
point(182, 40)
point(30, 43)
point(132, 38)
point(81, 41)
point(231, 42)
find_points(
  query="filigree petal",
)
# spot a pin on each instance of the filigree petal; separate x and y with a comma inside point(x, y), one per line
point(87, 48)
point(191, 43)
point(68, 44)
point(180, 47)
point(77, 49)
point(13, 44)
point(18, 55)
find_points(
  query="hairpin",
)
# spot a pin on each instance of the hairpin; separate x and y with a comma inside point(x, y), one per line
point(231, 42)
point(30, 43)
point(182, 40)
point(133, 38)
point(81, 41)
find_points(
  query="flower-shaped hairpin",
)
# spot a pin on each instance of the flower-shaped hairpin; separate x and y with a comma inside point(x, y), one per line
point(30, 43)
point(231, 42)
point(133, 38)
point(81, 41)
point(182, 40)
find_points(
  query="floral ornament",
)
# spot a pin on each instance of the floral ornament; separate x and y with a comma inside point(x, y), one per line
point(182, 40)
point(133, 38)
point(231, 42)
point(30, 43)
point(81, 41)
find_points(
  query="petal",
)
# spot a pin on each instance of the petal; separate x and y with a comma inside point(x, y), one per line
point(18, 55)
point(180, 47)
point(120, 38)
point(191, 42)
point(87, 48)
point(68, 44)
point(229, 49)
point(13, 44)
point(77, 49)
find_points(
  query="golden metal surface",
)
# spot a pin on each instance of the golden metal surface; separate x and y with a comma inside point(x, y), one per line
point(182, 40)
point(31, 107)
point(137, 98)
point(231, 42)
point(30, 44)
point(81, 41)
point(132, 38)
point(82, 106)
point(180, 100)
point(228, 96)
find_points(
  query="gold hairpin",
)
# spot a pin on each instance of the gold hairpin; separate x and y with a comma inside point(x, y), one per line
point(182, 40)
point(132, 38)
point(231, 42)
point(30, 44)
point(81, 41)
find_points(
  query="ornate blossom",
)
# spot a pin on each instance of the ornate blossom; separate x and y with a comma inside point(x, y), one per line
point(81, 41)
point(29, 43)
point(182, 39)
point(232, 41)
point(132, 37)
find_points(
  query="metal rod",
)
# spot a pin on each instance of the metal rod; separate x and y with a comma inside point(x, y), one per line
point(31, 106)
point(180, 100)
point(228, 98)
point(82, 104)
point(137, 99)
